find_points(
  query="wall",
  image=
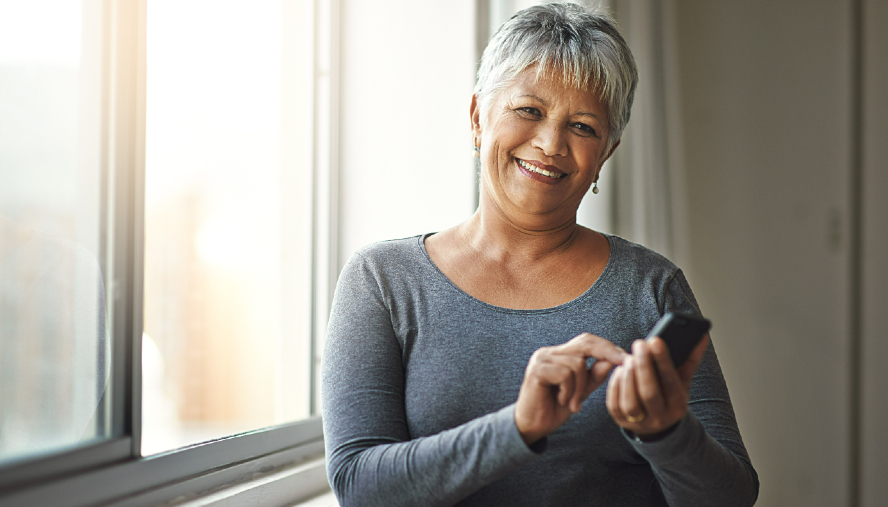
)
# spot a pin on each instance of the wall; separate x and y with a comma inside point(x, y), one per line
point(874, 322)
point(407, 72)
point(767, 104)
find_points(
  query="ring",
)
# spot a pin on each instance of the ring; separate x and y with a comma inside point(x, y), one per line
point(635, 419)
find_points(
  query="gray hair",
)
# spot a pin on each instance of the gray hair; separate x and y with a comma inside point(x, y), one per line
point(564, 40)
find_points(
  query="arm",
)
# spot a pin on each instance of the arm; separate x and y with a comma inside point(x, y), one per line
point(371, 458)
point(697, 455)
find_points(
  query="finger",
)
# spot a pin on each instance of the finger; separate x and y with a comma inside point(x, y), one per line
point(584, 378)
point(646, 379)
point(572, 391)
point(597, 347)
point(670, 382)
point(549, 374)
point(595, 377)
point(600, 370)
point(581, 390)
point(567, 386)
point(686, 371)
point(612, 400)
point(629, 403)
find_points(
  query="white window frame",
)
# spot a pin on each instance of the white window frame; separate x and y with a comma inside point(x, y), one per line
point(285, 461)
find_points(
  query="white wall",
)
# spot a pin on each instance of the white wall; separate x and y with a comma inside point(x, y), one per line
point(406, 166)
point(407, 73)
point(767, 105)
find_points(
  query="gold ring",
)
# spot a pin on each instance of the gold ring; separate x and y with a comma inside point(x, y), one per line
point(635, 419)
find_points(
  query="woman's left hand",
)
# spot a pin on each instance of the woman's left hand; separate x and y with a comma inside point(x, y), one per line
point(647, 394)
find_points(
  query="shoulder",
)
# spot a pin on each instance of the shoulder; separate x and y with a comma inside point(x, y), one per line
point(648, 278)
point(390, 254)
point(386, 264)
point(392, 247)
point(639, 260)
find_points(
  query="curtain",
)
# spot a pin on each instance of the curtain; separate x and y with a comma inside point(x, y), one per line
point(649, 203)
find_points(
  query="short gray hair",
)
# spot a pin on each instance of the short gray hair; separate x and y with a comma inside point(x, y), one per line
point(583, 48)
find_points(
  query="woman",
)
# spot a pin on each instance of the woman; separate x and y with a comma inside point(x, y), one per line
point(455, 368)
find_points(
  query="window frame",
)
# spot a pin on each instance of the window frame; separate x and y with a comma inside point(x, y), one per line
point(112, 470)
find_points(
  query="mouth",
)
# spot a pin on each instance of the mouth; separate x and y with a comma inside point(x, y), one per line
point(539, 170)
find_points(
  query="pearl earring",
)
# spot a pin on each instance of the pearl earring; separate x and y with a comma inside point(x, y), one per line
point(595, 188)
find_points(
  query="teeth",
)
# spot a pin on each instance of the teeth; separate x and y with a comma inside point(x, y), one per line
point(534, 169)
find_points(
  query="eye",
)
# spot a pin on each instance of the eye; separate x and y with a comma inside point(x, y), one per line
point(586, 129)
point(529, 111)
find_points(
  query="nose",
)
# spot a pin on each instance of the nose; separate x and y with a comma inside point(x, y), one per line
point(551, 139)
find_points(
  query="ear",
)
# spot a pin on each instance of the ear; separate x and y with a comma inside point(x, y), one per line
point(475, 116)
point(609, 153)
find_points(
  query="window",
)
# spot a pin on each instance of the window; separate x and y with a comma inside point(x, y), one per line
point(165, 208)
point(227, 302)
point(53, 339)
point(209, 165)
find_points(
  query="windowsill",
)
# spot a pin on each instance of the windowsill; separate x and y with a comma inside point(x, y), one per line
point(327, 499)
point(248, 469)
point(303, 485)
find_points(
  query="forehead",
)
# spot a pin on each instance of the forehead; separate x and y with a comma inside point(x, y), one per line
point(551, 89)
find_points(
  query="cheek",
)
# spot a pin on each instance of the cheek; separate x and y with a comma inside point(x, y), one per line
point(490, 157)
point(591, 158)
point(503, 130)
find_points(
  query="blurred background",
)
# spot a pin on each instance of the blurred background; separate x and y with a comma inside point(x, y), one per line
point(755, 159)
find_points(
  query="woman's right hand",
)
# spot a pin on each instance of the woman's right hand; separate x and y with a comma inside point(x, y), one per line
point(557, 381)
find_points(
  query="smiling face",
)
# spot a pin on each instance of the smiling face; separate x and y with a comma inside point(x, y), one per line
point(542, 147)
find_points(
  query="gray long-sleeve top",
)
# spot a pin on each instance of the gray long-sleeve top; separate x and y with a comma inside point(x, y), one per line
point(419, 382)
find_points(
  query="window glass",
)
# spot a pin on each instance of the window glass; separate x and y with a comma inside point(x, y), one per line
point(226, 344)
point(54, 368)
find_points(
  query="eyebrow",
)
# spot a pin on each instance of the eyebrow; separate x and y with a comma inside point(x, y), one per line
point(543, 101)
point(583, 113)
point(534, 97)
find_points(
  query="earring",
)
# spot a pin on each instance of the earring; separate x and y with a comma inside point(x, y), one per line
point(595, 188)
point(476, 151)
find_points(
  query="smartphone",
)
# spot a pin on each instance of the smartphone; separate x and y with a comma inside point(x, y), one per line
point(681, 334)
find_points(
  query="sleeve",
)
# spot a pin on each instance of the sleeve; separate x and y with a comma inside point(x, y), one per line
point(703, 460)
point(371, 458)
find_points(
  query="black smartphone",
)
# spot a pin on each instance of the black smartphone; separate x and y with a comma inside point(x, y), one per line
point(681, 334)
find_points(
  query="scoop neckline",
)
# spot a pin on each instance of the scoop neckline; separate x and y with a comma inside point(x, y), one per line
point(593, 288)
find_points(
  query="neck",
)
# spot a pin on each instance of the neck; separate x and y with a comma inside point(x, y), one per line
point(526, 237)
